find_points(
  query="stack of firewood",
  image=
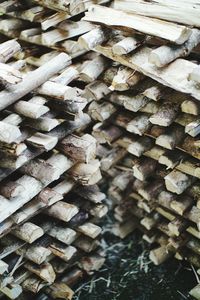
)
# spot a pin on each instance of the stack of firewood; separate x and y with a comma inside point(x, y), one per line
point(51, 203)
point(150, 125)
point(115, 92)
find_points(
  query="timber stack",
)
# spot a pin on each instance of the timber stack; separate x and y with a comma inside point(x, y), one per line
point(51, 201)
point(115, 92)
point(150, 134)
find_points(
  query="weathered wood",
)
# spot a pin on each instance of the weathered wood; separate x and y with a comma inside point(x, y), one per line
point(173, 32)
point(166, 54)
point(177, 182)
point(80, 149)
point(32, 80)
point(28, 232)
point(179, 11)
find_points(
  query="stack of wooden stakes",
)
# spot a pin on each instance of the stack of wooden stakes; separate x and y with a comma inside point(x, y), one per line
point(51, 203)
point(149, 133)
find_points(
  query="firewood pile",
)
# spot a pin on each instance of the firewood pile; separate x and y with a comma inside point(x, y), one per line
point(153, 115)
point(51, 203)
point(95, 97)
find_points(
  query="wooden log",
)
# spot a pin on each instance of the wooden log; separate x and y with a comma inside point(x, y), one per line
point(92, 69)
point(177, 226)
point(86, 244)
point(171, 138)
point(60, 290)
point(63, 234)
point(181, 11)
point(101, 111)
point(45, 271)
point(106, 135)
point(28, 232)
point(177, 182)
point(8, 49)
point(163, 55)
point(9, 133)
point(86, 174)
point(190, 107)
point(93, 38)
point(181, 205)
point(91, 263)
point(144, 168)
point(171, 159)
point(11, 189)
point(124, 229)
point(154, 92)
point(166, 114)
point(34, 79)
point(36, 253)
point(169, 31)
point(12, 292)
point(125, 79)
point(33, 284)
point(151, 190)
point(80, 149)
point(90, 229)
point(159, 255)
point(30, 110)
point(62, 211)
point(43, 141)
point(140, 146)
point(139, 125)
point(126, 45)
point(62, 251)
point(96, 90)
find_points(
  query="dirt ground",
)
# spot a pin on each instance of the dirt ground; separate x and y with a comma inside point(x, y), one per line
point(129, 275)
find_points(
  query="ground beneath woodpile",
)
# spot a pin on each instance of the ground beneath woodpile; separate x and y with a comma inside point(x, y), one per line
point(129, 275)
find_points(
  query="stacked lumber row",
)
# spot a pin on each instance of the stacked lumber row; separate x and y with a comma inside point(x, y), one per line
point(50, 201)
point(153, 113)
point(46, 23)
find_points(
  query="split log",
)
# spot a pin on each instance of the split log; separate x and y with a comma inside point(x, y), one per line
point(44, 271)
point(165, 54)
point(159, 255)
point(34, 79)
point(181, 11)
point(90, 229)
point(43, 141)
point(144, 168)
point(125, 79)
point(171, 138)
point(62, 251)
point(126, 45)
point(190, 107)
point(169, 31)
point(92, 69)
point(140, 146)
point(139, 125)
point(177, 182)
point(101, 111)
point(93, 38)
point(8, 49)
point(80, 149)
point(28, 232)
point(62, 211)
point(166, 114)
point(96, 90)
